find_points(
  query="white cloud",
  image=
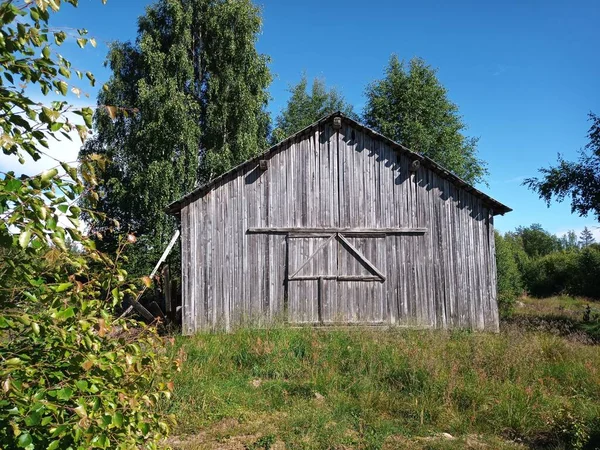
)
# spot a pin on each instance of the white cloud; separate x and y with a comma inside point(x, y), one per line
point(63, 150)
point(518, 179)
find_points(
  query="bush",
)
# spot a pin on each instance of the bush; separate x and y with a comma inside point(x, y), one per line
point(552, 274)
point(71, 375)
point(509, 281)
point(587, 280)
point(571, 271)
point(69, 380)
point(574, 272)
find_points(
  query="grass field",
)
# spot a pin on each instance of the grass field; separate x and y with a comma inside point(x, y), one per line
point(375, 388)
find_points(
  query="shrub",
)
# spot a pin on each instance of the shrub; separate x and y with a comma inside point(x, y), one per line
point(575, 272)
point(552, 274)
point(71, 375)
point(509, 282)
point(587, 279)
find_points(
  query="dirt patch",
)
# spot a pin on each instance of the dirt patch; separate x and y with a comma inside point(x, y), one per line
point(231, 434)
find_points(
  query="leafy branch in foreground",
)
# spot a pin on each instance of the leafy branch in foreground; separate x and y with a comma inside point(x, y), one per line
point(71, 375)
point(580, 180)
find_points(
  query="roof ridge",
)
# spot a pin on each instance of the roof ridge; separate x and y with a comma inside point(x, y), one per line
point(499, 208)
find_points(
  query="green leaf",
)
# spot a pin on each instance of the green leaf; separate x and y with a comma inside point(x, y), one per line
point(51, 223)
point(82, 131)
point(81, 42)
point(115, 295)
point(24, 238)
point(144, 428)
point(50, 173)
point(118, 419)
point(91, 77)
point(48, 115)
point(56, 126)
point(64, 394)
point(80, 411)
point(3, 322)
point(13, 362)
point(12, 185)
point(46, 420)
point(33, 419)
point(24, 440)
point(88, 115)
point(66, 313)
point(63, 287)
point(60, 37)
point(63, 87)
point(53, 445)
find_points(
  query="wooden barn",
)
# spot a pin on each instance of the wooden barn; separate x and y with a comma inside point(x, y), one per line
point(338, 225)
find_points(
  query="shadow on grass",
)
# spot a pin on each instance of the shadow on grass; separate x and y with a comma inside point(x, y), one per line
point(558, 325)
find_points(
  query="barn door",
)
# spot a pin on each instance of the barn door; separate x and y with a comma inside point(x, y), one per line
point(332, 279)
point(361, 293)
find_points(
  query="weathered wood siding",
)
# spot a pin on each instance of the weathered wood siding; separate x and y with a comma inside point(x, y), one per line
point(442, 276)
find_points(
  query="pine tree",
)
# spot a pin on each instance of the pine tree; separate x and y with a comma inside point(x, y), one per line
point(186, 102)
point(304, 108)
point(586, 238)
point(411, 106)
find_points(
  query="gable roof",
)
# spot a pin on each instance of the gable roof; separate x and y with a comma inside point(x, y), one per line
point(496, 206)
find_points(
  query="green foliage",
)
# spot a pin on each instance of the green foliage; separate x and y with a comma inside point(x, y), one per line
point(554, 273)
point(262, 443)
point(186, 103)
point(411, 106)
point(304, 108)
point(509, 279)
point(71, 376)
point(536, 241)
point(234, 79)
point(568, 241)
point(579, 180)
point(588, 272)
point(546, 265)
point(26, 125)
point(364, 388)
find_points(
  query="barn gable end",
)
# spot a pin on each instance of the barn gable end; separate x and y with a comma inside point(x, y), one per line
point(339, 226)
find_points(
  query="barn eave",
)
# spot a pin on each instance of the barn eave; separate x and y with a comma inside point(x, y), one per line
point(496, 207)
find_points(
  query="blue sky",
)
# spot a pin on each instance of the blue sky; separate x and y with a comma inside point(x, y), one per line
point(523, 73)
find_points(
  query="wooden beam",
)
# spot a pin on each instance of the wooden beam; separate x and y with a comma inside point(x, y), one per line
point(306, 232)
point(134, 301)
point(337, 277)
point(165, 253)
point(312, 256)
point(361, 257)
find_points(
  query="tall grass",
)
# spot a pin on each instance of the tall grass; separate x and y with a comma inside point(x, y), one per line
point(362, 388)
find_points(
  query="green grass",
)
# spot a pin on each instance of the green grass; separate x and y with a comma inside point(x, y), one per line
point(365, 388)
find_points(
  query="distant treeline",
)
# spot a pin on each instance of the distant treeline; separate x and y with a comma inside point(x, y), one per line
point(532, 261)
